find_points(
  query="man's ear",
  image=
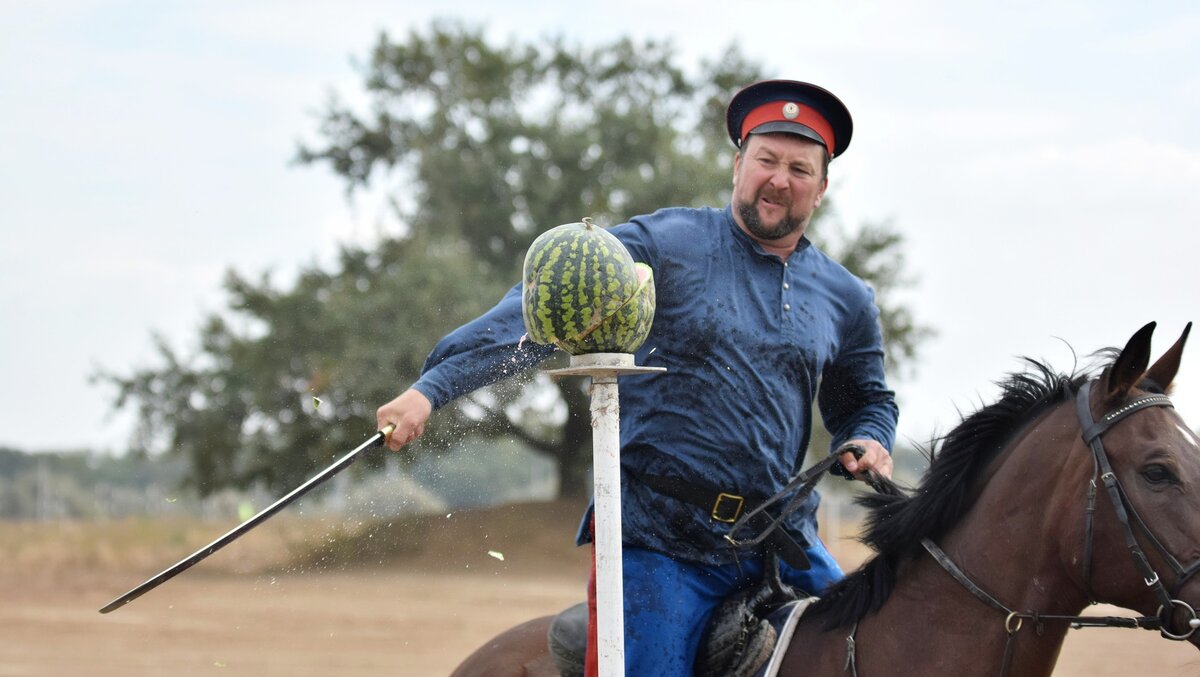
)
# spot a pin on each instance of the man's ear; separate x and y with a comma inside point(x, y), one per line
point(821, 194)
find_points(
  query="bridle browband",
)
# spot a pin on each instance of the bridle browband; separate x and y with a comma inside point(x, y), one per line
point(1093, 432)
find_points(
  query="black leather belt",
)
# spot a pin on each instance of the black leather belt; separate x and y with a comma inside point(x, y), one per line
point(727, 507)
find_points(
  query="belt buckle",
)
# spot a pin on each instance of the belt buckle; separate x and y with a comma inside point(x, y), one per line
point(716, 509)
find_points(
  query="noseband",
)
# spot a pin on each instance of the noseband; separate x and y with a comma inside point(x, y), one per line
point(1093, 432)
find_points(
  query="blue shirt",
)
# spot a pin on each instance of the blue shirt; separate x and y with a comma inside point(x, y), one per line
point(746, 339)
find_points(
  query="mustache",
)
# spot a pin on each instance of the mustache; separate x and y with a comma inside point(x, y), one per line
point(777, 196)
point(750, 218)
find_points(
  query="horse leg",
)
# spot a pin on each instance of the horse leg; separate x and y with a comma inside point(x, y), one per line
point(522, 651)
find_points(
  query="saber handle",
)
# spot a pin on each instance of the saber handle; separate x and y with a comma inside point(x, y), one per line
point(189, 561)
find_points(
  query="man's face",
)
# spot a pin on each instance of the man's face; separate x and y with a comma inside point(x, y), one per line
point(778, 182)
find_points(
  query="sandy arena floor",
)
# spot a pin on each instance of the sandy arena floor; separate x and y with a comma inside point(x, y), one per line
point(419, 617)
point(352, 624)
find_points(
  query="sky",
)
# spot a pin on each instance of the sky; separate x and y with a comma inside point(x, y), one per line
point(1042, 160)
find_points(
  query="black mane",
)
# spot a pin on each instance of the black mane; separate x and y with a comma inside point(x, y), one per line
point(897, 523)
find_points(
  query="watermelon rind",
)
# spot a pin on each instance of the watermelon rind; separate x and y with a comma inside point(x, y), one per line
point(626, 329)
point(575, 277)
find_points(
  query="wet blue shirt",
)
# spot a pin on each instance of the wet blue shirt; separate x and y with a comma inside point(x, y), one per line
point(746, 339)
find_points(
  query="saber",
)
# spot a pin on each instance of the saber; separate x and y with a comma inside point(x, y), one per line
point(186, 563)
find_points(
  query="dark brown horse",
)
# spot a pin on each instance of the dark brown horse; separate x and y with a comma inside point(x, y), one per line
point(1032, 507)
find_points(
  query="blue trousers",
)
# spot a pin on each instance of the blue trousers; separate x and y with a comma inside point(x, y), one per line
point(668, 603)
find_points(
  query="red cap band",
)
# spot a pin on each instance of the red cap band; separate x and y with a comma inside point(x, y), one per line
point(790, 111)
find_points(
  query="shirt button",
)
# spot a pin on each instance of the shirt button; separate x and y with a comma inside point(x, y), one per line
point(786, 285)
point(787, 306)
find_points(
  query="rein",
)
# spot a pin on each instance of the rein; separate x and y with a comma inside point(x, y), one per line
point(805, 482)
point(1092, 432)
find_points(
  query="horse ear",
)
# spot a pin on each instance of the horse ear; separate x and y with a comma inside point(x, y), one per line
point(1164, 370)
point(1127, 370)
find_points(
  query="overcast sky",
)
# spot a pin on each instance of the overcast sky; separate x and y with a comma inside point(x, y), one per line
point(1042, 158)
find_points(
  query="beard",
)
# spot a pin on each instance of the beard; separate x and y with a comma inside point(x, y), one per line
point(784, 227)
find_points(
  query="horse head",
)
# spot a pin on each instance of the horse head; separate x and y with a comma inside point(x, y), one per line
point(1145, 489)
point(1068, 489)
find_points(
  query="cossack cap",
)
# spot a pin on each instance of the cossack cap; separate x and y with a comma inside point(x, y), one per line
point(790, 106)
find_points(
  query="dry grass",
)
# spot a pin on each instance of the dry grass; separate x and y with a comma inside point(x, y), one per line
point(530, 536)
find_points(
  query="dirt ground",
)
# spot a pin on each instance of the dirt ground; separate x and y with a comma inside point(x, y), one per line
point(416, 616)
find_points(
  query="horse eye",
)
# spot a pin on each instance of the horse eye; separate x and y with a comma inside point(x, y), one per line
point(1158, 474)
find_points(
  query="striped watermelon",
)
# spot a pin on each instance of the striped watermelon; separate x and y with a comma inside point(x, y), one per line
point(625, 330)
point(583, 292)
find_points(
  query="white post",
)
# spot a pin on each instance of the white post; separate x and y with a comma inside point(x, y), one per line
point(606, 475)
point(604, 368)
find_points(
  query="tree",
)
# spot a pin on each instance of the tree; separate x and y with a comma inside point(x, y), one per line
point(480, 148)
point(288, 379)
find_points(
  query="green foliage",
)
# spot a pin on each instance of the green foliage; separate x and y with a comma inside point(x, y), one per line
point(494, 144)
point(481, 147)
point(288, 380)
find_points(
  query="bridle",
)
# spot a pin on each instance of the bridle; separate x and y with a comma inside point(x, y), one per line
point(1093, 432)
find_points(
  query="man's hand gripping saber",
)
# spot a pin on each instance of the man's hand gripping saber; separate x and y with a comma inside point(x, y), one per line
point(186, 563)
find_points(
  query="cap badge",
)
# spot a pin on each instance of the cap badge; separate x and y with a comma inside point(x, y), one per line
point(791, 111)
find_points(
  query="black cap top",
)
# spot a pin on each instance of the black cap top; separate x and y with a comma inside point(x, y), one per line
point(790, 106)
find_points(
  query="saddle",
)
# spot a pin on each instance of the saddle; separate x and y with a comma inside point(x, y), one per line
point(746, 636)
point(568, 640)
point(741, 638)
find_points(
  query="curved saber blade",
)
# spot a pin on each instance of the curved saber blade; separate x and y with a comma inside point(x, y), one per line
point(186, 563)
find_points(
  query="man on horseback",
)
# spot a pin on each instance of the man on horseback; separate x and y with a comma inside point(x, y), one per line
point(753, 323)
